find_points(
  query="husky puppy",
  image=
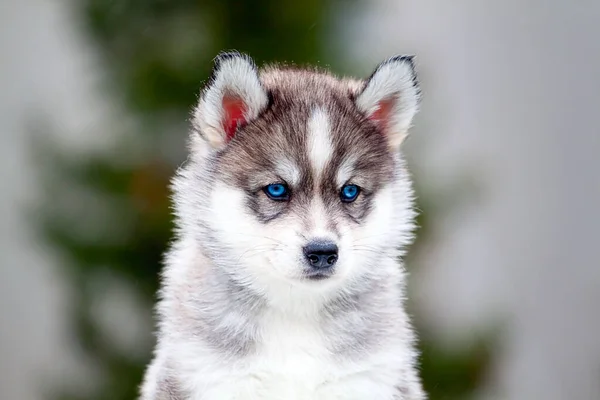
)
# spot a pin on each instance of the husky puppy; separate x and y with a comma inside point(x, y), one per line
point(292, 213)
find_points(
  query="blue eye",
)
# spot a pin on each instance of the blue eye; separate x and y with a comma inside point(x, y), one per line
point(277, 191)
point(349, 193)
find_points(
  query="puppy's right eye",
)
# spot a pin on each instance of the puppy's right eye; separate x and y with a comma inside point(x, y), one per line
point(277, 192)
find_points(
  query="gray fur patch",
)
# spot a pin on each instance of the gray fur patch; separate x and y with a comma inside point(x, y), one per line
point(168, 389)
point(221, 311)
point(358, 320)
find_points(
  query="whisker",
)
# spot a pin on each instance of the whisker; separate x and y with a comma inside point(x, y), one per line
point(256, 250)
point(370, 249)
point(370, 237)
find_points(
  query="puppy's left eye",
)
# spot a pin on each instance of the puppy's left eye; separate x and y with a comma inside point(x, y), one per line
point(277, 192)
point(349, 193)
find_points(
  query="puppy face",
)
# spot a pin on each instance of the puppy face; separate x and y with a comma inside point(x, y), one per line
point(306, 186)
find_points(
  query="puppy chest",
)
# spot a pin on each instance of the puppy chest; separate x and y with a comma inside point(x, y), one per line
point(293, 362)
point(293, 350)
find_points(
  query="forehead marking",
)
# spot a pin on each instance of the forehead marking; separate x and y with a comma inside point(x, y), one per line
point(320, 147)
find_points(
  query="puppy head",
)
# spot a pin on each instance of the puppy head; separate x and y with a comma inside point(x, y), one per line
point(297, 179)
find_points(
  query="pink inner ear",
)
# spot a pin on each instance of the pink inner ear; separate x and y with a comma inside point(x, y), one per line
point(382, 115)
point(233, 111)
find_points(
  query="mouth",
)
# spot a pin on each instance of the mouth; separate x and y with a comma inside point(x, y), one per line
point(318, 275)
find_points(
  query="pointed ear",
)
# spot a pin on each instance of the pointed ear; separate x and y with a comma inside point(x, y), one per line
point(390, 98)
point(233, 97)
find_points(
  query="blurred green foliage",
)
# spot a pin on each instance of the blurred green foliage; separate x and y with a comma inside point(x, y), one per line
point(160, 50)
point(109, 213)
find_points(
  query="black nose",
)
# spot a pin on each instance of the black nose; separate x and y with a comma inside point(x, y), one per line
point(321, 254)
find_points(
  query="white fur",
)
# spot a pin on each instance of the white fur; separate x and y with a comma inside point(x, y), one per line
point(393, 80)
point(319, 143)
point(237, 77)
point(318, 217)
point(293, 364)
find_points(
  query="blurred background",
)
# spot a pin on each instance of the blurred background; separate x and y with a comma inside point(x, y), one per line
point(505, 275)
